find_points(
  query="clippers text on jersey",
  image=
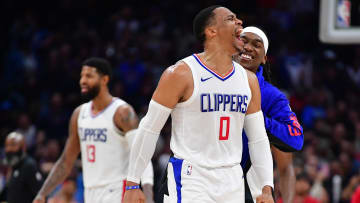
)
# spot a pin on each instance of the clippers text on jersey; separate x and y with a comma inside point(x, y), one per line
point(93, 134)
point(223, 102)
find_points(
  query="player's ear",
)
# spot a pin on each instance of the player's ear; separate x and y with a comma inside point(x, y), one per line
point(105, 79)
point(210, 32)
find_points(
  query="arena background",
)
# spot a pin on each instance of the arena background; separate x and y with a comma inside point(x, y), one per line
point(44, 42)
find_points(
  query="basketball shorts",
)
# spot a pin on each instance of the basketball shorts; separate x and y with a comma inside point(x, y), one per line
point(191, 183)
point(109, 193)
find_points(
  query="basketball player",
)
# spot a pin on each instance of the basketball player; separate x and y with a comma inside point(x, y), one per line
point(284, 131)
point(210, 100)
point(102, 130)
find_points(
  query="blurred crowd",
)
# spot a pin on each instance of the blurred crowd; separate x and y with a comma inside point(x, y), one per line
point(46, 42)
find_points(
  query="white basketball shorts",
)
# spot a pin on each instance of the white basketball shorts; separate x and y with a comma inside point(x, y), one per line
point(190, 183)
point(111, 193)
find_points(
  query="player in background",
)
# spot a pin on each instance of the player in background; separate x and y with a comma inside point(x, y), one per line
point(283, 129)
point(210, 99)
point(102, 130)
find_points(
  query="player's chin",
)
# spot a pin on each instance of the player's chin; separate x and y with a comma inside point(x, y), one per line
point(245, 63)
point(87, 96)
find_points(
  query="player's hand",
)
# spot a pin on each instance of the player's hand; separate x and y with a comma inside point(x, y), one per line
point(39, 199)
point(265, 198)
point(134, 196)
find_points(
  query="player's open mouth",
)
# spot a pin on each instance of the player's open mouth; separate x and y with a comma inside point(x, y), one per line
point(246, 57)
point(238, 33)
point(84, 89)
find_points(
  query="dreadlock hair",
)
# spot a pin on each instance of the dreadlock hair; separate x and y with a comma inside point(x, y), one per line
point(267, 71)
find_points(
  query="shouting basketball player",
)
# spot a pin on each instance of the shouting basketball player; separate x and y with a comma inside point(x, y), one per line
point(210, 99)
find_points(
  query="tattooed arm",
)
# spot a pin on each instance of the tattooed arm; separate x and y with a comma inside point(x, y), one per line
point(126, 120)
point(65, 163)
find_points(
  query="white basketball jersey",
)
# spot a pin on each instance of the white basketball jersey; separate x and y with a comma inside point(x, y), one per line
point(207, 128)
point(104, 149)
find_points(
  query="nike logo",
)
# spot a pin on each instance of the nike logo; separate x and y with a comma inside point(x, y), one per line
point(203, 80)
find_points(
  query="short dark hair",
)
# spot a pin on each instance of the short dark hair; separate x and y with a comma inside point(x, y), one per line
point(102, 66)
point(202, 20)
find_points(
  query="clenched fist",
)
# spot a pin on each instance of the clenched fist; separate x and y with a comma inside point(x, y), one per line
point(265, 198)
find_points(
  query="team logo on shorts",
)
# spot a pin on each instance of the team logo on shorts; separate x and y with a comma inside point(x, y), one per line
point(189, 170)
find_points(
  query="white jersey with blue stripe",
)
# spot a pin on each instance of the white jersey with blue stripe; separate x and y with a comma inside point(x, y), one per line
point(207, 128)
point(104, 149)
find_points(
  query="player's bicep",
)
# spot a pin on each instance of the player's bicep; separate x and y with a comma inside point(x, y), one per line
point(255, 102)
point(72, 146)
point(172, 85)
point(125, 118)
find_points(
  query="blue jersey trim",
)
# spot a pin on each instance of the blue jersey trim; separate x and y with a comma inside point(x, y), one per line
point(210, 71)
point(177, 165)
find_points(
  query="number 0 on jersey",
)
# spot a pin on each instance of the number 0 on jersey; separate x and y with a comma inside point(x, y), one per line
point(224, 121)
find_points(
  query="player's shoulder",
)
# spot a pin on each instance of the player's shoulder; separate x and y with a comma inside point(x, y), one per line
point(124, 109)
point(177, 71)
point(251, 75)
point(77, 110)
point(178, 75)
point(252, 78)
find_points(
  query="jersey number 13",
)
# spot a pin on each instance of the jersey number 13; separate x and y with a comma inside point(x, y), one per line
point(90, 153)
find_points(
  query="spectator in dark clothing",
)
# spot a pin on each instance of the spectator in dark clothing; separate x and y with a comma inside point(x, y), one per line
point(25, 179)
